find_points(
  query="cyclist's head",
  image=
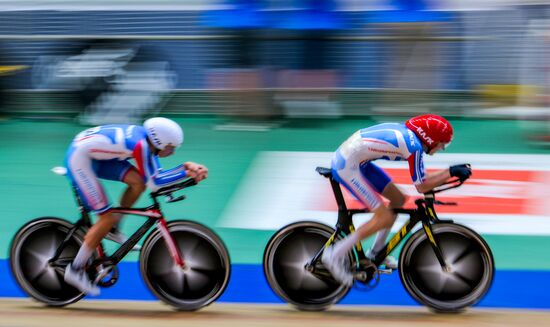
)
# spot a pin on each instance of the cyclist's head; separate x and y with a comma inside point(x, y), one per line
point(433, 130)
point(163, 132)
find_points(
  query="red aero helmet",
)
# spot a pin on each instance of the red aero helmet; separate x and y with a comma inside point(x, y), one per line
point(431, 129)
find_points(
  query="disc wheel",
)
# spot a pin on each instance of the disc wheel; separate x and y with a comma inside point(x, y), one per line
point(468, 279)
point(32, 248)
point(285, 259)
point(206, 272)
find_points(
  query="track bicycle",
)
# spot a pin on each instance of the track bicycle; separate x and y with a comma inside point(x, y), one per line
point(444, 265)
point(183, 263)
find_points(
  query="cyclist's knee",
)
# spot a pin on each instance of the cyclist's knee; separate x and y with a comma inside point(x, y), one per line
point(109, 217)
point(398, 200)
point(134, 180)
point(384, 216)
point(138, 187)
point(395, 195)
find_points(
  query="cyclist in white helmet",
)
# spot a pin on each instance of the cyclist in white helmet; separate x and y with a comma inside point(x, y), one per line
point(104, 152)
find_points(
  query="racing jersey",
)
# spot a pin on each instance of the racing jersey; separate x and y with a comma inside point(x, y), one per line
point(125, 142)
point(389, 141)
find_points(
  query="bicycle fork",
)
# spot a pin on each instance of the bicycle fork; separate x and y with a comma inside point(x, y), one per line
point(171, 244)
point(435, 247)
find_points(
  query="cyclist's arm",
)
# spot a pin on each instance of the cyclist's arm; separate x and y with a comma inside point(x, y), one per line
point(149, 168)
point(165, 177)
point(433, 180)
point(422, 181)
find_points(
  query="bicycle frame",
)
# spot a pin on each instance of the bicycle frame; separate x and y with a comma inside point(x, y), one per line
point(424, 213)
point(153, 214)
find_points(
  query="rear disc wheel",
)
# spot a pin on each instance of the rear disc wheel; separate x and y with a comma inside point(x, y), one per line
point(32, 248)
point(285, 259)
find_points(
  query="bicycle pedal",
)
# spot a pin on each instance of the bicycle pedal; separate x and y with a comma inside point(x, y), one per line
point(106, 276)
point(361, 276)
point(385, 271)
point(101, 273)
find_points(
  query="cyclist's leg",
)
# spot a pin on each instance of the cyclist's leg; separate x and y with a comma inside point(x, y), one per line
point(98, 231)
point(368, 192)
point(397, 200)
point(135, 188)
point(81, 172)
point(123, 171)
point(383, 185)
point(334, 257)
point(395, 195)
point(75, 272)
point(347, 172)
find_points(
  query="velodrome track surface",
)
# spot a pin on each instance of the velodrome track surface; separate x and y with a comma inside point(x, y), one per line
point(27, 313)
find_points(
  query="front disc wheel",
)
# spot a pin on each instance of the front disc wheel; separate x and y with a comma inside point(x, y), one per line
point(470, 273)
point(205, 274)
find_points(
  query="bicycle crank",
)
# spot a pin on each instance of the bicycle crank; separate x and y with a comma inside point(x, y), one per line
point(106, 276)
point(368, 275)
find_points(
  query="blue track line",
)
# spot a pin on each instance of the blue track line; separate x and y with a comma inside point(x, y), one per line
point(510, 289)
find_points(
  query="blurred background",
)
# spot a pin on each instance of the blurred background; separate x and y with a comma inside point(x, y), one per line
point(265, 91)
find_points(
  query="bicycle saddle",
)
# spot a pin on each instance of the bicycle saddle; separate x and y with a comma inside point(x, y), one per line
point(61, 171)
point(327, 172)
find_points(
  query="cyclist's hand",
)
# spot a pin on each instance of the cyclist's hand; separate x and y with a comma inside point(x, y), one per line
point(196, 171)
point(463, 171)
point(202, 173)
point(190, 173)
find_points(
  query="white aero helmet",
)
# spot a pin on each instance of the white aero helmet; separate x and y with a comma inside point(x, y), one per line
point(163, 131)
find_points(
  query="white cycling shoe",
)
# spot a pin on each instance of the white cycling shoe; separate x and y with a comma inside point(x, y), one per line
point(79, 279)
point(390, 262)
point(338, 266)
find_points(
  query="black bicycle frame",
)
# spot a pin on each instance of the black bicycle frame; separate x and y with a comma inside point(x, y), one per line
point(83, 222)
point(424, 213)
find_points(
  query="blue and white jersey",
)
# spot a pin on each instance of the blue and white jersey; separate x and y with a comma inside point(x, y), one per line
point(125, 142)
point(390, 141)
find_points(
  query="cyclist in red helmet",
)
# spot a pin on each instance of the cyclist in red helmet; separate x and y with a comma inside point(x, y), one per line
point(433, 130)
point(352, 166)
